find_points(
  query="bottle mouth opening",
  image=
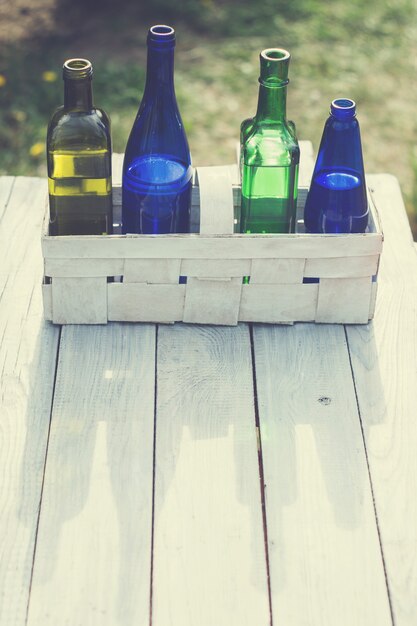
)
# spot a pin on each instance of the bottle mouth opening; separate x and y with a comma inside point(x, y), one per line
point(162, 35)
point(162, 30)
point(76, 69)
point(275, 54)
point(343, 107)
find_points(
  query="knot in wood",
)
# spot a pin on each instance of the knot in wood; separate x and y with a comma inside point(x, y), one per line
point(324, 400)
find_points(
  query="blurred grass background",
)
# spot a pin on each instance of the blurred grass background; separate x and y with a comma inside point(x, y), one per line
point(365, 51)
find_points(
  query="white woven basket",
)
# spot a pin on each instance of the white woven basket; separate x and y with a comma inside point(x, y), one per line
point(136, 278)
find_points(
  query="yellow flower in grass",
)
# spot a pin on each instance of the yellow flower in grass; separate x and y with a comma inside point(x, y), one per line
point(49, 77)
point(37, 149)
point(3, 80)
point(19, 116)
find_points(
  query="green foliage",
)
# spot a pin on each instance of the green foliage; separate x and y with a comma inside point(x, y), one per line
point(362, 50)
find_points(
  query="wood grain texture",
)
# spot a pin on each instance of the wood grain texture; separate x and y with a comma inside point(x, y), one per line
point(344, 300)
point(384, 361)
point(165, 271)
point(117, 167)
point(137, 302)
point(209, 558)
point(6, 186)
point(79, 300)
point(94, 542)
point(324, 554)
point(212, 246)
point(216, 200)
point(279, 303)
point(82, 268)
point(306, 163)
point(215, 268)
point(28, 349)
point(212, 301)
point(347, 267)
point(271, 271)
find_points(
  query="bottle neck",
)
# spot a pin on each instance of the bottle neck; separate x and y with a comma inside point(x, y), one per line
point(272, 104)
point(160, 72)
point(78, 95)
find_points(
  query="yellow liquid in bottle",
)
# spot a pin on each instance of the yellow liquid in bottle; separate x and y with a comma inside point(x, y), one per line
point(80, 200)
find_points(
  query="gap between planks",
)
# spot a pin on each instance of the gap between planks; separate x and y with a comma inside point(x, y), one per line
point(371, 486)
point(261, 470)
point(43, 475)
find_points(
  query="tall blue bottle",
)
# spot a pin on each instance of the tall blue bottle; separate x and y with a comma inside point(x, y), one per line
point(337, 200)
point(156, 189)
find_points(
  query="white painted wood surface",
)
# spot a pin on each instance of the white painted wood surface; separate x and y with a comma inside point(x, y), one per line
point(212, 246)
point(209, 559)
point(216, 200)
point(28, 349)
point(324, 554)
point(384, 361)
point(93, 555)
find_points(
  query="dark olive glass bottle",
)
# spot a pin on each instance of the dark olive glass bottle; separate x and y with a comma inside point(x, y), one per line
point(269, 153)
point(79, 159)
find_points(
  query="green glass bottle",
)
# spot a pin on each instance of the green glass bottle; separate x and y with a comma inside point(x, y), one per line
point(79, 159)
point(269, 154)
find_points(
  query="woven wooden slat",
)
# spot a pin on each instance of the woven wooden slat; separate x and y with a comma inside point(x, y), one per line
point(79, 300)
point(83, 268)
point(212, 301)
point(138, 302)
point(278, 303)
point(273, 271)
point(344, 300)
point(162, 271)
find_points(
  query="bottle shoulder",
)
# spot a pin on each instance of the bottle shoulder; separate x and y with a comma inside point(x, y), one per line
point(79, 128)
point(335, 124)
point(158, 130)
point(271, 145)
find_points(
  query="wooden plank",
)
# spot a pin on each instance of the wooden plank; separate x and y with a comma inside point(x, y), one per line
point(209, 557)
point(28, 349)
point(138, 302)
point(384, 357)
point(213, 246)
point(324, 552)
point(94, 542)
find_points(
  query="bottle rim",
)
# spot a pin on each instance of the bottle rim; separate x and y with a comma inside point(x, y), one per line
point(275, 54)
point(77, 69)
point(274, 67)
point(161, 35)
point(343, 108)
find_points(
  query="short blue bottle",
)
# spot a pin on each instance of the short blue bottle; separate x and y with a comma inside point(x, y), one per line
point(337, 200)
point(157, 173)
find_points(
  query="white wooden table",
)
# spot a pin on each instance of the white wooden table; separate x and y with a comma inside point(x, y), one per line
point(206, 476)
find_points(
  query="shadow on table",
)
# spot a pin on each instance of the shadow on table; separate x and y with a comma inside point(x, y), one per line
point(314, 459)
point(207, 479)
point(98, 481)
